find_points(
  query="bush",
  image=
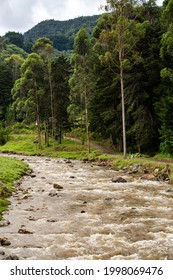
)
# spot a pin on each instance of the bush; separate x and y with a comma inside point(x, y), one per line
point(166, 147)
point(4, 135)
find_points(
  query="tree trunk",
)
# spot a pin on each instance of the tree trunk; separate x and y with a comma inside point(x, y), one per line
point(46, 134)
point(123, 113)
point(52, 101)
point(38, 129)
point(121, 57)
point(87, 120)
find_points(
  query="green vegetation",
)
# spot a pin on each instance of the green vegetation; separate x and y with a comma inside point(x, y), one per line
point(116, 86)
point(61, 33)
point(4, 203)
point(10, 171)
point(26, 144)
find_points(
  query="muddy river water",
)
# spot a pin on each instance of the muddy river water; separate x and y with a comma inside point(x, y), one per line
point(73, 210)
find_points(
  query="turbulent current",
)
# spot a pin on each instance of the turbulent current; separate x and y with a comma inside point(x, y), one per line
point(73, 210)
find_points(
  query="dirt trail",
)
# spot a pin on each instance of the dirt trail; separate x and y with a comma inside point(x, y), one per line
point(73, 210)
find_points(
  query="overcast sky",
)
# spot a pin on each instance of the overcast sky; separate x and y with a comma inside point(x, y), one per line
point(21, 15)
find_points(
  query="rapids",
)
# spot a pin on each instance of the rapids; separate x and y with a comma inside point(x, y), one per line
point(73, 210)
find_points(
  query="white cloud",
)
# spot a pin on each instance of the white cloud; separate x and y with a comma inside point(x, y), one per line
point(21, 15)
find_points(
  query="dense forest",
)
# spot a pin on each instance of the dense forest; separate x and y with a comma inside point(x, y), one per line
point(61, 33)
point(116, 85)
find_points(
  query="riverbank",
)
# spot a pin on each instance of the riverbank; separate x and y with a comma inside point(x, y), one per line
point(10, 171)
point(70, 209)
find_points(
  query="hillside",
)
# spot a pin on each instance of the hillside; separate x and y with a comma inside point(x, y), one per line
point(62, 33)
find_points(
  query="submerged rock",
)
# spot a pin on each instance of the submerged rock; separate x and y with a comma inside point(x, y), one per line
point(24, 231)
point(11, 257)
point(53, 193)
point(4, 223)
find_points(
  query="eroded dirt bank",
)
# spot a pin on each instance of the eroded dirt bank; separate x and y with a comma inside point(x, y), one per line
point(73, 210)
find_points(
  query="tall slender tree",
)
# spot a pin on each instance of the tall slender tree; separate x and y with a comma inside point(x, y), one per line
point(121, 38)
point(81, 77)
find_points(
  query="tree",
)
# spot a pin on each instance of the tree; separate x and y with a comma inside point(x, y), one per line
point(125, 32)
point(81, 77)
point(28, 91)
point(44, 47)
point(61, 71)
point(15, 61)
point(165, 104)
point(6, 83)
point(15, 38)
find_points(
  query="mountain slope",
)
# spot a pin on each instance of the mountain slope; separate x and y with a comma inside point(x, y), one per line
point(62, 33)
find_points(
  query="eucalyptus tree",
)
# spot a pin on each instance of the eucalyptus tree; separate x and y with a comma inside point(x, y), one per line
point(120, 39)
point(28, 91)
point(15, 61)
point(81, 79)
point(44, 47)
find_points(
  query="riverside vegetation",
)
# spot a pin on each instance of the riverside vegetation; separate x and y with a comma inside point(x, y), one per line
point(114, 85)
point(26, 144)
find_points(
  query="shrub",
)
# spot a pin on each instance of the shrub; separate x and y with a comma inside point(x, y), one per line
point(4, 135)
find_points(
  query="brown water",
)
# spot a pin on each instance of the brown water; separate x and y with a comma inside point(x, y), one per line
point(89, 217)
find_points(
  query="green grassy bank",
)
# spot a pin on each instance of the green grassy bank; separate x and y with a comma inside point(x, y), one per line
point(10, 171)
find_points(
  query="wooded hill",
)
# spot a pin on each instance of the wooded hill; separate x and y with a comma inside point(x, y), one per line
point(117, 84)
point(61, 33)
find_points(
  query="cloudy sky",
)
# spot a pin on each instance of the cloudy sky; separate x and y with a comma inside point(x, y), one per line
point(21, 15)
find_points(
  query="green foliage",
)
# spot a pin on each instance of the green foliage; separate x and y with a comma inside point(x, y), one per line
point(4, 134)
point(6, 84)
point(15, 38)
point(11, 49)
point(61, 33)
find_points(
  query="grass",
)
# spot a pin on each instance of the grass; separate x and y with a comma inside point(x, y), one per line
point(10, 171)
point(26, 144)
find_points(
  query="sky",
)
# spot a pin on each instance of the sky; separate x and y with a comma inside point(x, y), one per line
point(22, 15)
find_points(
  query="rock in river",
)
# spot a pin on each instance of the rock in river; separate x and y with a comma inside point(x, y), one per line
point(119, 180)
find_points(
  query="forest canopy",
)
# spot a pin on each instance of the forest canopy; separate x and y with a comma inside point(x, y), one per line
point(116, 83)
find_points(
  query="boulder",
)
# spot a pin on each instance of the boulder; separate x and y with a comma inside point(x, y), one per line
point(57, 186)
point(5, 242)
point(149, 177)
point(119, 180)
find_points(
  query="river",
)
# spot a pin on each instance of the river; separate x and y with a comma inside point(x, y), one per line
point(72, 210)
